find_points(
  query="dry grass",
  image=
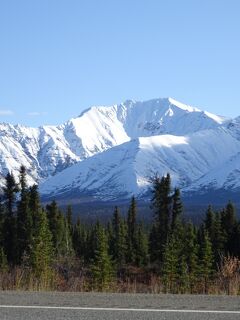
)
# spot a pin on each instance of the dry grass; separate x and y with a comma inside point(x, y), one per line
point(71, 276)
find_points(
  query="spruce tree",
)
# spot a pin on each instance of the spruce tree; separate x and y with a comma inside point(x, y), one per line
point(131, 231)
point(177, 210)
point(59, 229)
point(229, 224)
point(190, 250)
point(153, 243)
point(69, 218)
point(218, 240)
point(183, 280)
point(80, 241)
point(118, 239)
point(24, 218)
point(34, 205)
point(170, 265)
point(9, 229)
point(102, 267)
point(41, 253)
point(209, 222)
point(205, 259)
point(161, 203)
point(53, 220)
point(141, 247)
point(68, 231)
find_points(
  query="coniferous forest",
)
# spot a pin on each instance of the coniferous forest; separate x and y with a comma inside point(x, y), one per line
point(44, 248)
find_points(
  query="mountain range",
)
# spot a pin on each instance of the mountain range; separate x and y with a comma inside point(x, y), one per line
point(112, 152)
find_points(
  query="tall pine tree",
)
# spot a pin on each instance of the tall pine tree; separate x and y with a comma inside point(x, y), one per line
point(102, 267)
point(24, 218)
point(9, 230)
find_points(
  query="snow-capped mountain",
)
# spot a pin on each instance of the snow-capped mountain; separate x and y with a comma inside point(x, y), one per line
point(112, 152)
point(127, 169)
point(47, 150)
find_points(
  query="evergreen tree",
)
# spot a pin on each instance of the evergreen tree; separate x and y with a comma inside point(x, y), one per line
point(69, 219)
point(118, 245)
point(68, 237)
point(102, 268)
point(218, 240)
point(141, 247)
point(153, 240)
point(9, 230)
point(236, 241)
point(54, 223)
point(177, 210)
point(59, 229)
point(209, 222)
point(229, 224)
point(170, 265)
point(24, 218)
point(190, 249)
point(41, 248)
point(34, 205)
point(205, 259)
point(80, 240)
point(183, 281)
point(131, 231)
point(161, 202)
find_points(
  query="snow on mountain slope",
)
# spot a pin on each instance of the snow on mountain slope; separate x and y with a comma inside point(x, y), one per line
point(164, 116)
point(224, 176)
point(233, 126)
point(126, 169)
point(48, 150)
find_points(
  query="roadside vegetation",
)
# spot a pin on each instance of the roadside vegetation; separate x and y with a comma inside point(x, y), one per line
point(43, 248)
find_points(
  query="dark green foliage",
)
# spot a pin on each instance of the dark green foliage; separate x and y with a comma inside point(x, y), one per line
point(177, 211)
point(131, 231)
point(209, 222)
point(218, 240)
point(206, 259)
point(41, 247)
point(55, 223)
point(80, 236)
point(183, 275)
point(170, 264)
point(102, 267)
point(34, 205)
point(186, 257)
point(69, 219)
point(229, 225)
point(60, 230)
point(190, 250)
point(24, 218)
point(9, 228)
point(141, 247)
point(153, 241)
point(118, 239)
point(161, 204)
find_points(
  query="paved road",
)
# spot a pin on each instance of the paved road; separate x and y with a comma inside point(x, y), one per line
point(93, 306)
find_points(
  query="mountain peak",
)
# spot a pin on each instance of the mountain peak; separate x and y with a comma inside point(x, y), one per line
point(182, 106)
point(162, 124)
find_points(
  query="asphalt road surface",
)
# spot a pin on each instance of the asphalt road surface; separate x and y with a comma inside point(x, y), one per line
point(99, 306)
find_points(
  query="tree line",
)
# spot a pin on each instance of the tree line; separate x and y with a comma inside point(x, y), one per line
point(184, 258)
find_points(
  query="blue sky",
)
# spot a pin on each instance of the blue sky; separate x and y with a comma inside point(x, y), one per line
point(58, 57)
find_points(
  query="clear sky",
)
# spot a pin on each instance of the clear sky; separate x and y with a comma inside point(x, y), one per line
point(58, 57)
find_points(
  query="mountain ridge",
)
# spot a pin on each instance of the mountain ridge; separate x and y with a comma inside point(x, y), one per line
point(49, 151)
